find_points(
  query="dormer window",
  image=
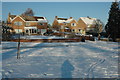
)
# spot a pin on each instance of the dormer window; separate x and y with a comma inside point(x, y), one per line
point(64, 23)
point(73, 24)
point(41, 24)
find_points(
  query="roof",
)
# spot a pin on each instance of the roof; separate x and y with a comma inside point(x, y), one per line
point(31, 18)
point(28, 18)
point(64, 20)
point(41, 19)
point(12, 16)
point(91, 22)
point(88, 20)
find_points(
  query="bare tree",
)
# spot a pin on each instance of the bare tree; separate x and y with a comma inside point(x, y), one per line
point(28, 12)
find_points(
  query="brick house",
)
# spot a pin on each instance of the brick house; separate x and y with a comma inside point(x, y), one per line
point(27, 24)
point(82, 26)
point(65, 25)
point(91, 25)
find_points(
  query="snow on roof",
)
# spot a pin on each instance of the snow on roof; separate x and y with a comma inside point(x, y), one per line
point(30, 18)
point(88, 20)
point(64, 20)
point(42, 20)
point(61, 21)
point(69, 20)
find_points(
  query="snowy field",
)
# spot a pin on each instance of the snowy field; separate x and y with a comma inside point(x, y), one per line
point(61, 60)
point(40, 37)
point(0, 61)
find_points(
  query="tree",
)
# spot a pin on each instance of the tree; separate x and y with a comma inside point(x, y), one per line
point(112, 25)
point(49, 26)
point(119, 22)
point(28, 12)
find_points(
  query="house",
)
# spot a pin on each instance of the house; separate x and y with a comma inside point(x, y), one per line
point(83, 25)
point(27, 24)
point(90, 25)
point(65, 25)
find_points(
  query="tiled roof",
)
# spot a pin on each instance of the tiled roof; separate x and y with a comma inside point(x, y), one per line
point(30, 18)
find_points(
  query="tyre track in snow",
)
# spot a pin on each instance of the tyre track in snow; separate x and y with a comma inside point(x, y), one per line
point(92, 68)
point(36, 46)
point(65, 45)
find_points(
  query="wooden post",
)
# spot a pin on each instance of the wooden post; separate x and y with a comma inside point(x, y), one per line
point(18, 48)
point(18, 52)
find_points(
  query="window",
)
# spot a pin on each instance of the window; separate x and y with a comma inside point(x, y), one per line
point(27, 23)
point(26, 31)
point(62, 27)
point(41, 24)
point(73, 30)
point(65, 23)
point(17, 23)
point(73, 24)
point(34, 31)
point(18, 30)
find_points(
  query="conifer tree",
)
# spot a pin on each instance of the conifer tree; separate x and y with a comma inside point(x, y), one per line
point(112, 25)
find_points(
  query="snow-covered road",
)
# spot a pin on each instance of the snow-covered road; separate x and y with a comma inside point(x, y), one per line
point(60, 60)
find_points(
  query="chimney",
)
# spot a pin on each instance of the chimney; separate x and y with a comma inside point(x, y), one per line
point(56, 17)
point(88, 17)
point(9, 14)
point(70, 17)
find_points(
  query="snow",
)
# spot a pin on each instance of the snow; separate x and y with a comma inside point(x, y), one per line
point(42, 20)
point(40, 37)
point(69, 20)
point(61, 60)
point(61, 21)
point(0, 61)
point(87, 20)
point(32, 27)
point(65, 21)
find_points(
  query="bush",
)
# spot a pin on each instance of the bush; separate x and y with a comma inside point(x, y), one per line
point(83, 39)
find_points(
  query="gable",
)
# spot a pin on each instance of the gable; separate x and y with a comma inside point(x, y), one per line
point(12, 16)
point(73, 21)
point(55, 22)
point(87, 20)
point(18, 18)
point(80, 21)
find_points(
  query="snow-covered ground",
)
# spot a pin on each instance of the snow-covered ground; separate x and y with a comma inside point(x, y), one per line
point(0, 61)
point(61, 60)
point(39, 37)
